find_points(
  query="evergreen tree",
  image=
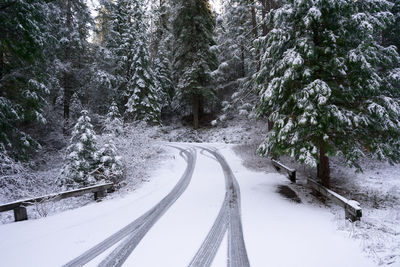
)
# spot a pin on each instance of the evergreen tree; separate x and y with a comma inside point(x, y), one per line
point(163, 78)
point(234, 40)
point(110, 167)
point(235, 37)
point(126, 39)
point(328, 84)
point(117, 42)
point(392, 33)
point(161, 49)
point(71, 23)
point(194, 61)
point(81, 158)
point(23, 37)
point(113, 122)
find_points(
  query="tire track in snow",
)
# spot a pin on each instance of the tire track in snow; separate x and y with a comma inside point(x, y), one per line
point(229, 218)
point(137, 229)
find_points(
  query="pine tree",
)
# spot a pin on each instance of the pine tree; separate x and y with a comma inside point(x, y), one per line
point(235, 37)
point(392, 33)
point(81, 160)
point(143, 103)
point(328, 84)
point(23, 37)
point(234, 40)
point(72, 21)
point(110, 167)
point(161, 43)
point(113, 122)
point(126, 40)
point(163, 75)
point(194, 61)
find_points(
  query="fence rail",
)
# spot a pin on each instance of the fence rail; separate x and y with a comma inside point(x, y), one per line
point(352, 208)
point(291, 172)
point(20, 212)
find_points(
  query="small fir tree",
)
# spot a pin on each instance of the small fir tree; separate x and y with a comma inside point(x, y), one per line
point(81, 160)
point(163, 75)
point(110, 167)
point(328, 85)
point(113, 123)
point(143, 103)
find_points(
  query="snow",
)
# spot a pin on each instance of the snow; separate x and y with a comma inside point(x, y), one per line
point(54, 240)
point(277, 231)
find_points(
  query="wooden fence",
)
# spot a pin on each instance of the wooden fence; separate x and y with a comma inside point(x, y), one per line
point(352, 208)
point(20, 212)
point(291, 172)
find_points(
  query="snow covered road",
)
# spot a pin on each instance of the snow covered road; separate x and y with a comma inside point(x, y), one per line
point(203, 219)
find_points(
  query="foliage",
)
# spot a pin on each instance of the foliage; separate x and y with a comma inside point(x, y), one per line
point(113, 121)
point(23, 37)
point(110, 167)
point(126, 39)
point(80, 161)
point(326, 81)
point(194, 61)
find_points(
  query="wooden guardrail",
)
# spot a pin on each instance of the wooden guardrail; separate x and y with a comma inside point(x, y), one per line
point(20, 212)
point(291, 172)
point(352, 208)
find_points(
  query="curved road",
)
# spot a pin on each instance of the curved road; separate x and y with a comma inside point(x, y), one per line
point(228, 220)
point(138, 228)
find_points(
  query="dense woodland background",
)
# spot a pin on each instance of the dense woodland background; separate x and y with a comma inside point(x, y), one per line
point(324, 75)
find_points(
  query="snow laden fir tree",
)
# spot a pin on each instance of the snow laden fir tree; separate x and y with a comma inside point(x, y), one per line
point(143, 103)
point(81, 157)
point(194, 59)
point(328, 84)
point(109, 167)
point(113, 122)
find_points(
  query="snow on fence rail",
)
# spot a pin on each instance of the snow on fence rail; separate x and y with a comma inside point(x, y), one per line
point(20, 212)
point(291, 172)
point(352, 208)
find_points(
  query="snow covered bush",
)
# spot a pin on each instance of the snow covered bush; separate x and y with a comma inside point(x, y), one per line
point(113, 122)
point(80, 161)
point(109, 165)
point(15, 180)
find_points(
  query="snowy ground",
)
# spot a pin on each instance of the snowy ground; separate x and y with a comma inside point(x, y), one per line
point(377, 189)
point(137, 149)
point(277, 231)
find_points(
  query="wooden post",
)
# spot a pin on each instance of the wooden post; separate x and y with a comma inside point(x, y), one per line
point(100, 194)
point(292, 176)
point(291, 172)
point(352, 214)
point(20, 214)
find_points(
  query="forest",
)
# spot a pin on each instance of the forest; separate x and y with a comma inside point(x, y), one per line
point(323, 76)
point(126, 95)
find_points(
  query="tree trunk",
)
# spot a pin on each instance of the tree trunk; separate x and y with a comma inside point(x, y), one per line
point(323, 170)
point(66, 76)
point(242, 64)
point(263, 14)
point(1, 65)
point(255, 32)
point(270, 125)
point(195, 106)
